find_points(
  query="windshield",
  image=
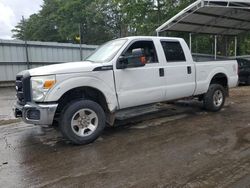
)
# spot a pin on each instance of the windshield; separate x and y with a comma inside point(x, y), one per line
point(107, 51)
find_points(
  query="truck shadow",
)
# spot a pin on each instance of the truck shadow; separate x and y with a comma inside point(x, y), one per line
point(161, 110)
point(133, 119)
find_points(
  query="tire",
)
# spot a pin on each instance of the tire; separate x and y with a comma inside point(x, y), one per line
point(215, 97)
point(82, 121)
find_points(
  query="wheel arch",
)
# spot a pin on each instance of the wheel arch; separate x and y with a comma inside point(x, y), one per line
point(68, 84)
point(222, 79)
point(89, 93)
point(85, 92)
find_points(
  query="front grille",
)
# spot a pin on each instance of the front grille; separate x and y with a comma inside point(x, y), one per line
point(23, 87)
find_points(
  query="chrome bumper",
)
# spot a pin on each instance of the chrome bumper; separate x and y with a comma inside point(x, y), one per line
point(38, 114)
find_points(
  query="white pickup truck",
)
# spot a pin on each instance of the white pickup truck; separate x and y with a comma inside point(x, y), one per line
point(84, 96)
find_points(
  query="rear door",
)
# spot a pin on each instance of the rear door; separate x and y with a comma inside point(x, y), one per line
point(179, 70)
point(140, 85)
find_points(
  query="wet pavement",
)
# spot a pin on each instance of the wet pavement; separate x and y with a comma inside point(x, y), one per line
point(7, 99)
point(180, 146)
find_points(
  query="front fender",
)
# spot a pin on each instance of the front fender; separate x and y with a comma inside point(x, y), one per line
point(64, 86)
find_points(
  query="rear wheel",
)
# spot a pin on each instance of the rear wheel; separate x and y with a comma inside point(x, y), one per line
point(215, 97)
point(82, 121)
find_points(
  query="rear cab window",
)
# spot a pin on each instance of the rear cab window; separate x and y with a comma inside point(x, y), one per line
point(173, 51)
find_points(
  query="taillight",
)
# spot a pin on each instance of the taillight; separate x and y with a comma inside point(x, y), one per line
point(236, 68)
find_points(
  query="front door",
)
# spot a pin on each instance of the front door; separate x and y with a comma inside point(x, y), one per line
point(140, 85)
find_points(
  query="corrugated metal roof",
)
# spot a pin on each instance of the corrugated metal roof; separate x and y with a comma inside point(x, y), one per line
point(222, 17)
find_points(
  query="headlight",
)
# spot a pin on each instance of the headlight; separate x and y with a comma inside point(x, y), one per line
point(41, 85)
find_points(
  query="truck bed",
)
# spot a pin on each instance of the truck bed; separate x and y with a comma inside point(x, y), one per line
point(205, 69)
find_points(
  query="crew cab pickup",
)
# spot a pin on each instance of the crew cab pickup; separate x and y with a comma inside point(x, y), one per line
point(84, 96)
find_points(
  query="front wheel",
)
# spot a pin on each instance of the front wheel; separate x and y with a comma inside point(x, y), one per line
point(82, 121)
point(215, 97)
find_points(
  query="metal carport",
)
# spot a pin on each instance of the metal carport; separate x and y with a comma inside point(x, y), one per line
point(215, 17)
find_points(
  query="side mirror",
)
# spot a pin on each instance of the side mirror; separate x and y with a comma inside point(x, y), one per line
point(136, 59)
point(122, 62)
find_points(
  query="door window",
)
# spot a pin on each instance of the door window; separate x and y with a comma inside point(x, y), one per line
point(173, 51)
point(148, 49)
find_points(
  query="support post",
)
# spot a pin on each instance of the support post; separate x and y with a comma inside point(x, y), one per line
point(80, 36)
point(26, 47)
point(190, 42)
point(235, 45)
point(215, 47)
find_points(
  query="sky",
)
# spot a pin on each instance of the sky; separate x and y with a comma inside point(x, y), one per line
point(11, 12)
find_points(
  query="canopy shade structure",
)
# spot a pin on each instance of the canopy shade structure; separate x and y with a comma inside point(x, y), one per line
point(217, 17)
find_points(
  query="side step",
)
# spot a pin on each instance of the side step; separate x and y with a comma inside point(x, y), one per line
point(144, 110)
point(154, 111)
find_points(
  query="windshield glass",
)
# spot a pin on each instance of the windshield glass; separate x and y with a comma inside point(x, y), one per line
point(107, 51)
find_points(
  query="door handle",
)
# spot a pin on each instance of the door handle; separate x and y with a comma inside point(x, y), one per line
point(161, 72)
point(189, 70)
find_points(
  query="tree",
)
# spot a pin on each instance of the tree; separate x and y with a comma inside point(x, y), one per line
point(103, 20)
point(100, 20)
point(59, 21)
point(41, 26)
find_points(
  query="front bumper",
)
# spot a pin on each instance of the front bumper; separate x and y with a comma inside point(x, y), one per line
point(38, 114)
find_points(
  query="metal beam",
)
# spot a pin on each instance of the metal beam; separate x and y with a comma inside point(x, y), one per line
point(235, 45)
point(215, 47)
point(206, 33)
point(214, 26)
point(190, 42)
point(26, 47)
point(224, 17)
point(80, 36)
point(181, 15)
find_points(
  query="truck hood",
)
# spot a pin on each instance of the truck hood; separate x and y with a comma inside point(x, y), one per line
point(64, 68)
